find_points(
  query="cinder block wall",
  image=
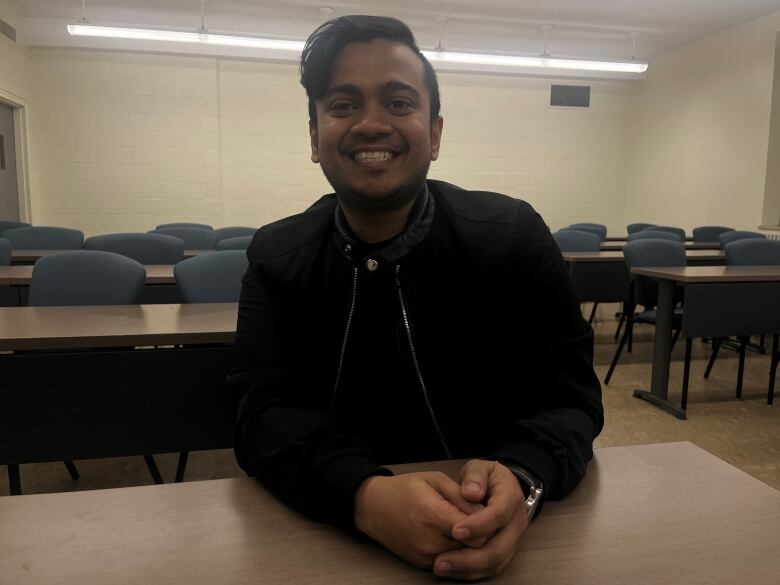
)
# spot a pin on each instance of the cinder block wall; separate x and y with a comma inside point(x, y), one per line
point(124, 141)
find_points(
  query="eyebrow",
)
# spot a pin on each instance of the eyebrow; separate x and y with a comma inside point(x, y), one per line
point(390, 86)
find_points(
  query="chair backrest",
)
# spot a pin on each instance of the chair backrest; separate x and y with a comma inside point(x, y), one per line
point(143, 248)
point(571, 240)
point(203, 226)
point(193, 238)
point(709, 233)
point(599, 226)
point(86, 277)
point(44, 238)
point(753, 252)
point(211, 278)
point(638, 227)
point(586, 228)
point(665, 228)
point(234, 232)
point(654, 235)
point(10, 225)
point(734, 235)
point(240, 243)
point(651, 252)
point(5, 252)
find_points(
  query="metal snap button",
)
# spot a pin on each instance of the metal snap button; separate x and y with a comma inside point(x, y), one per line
point(348, 248)
point(372, 264)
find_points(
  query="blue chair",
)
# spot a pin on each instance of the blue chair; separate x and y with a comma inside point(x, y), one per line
point(240, 243)
point(571, 240)
point(665, 228)
point(88, 277)
point(602, 229)
point(5, 252)
point(211, 278)
point(574, 240)
point(727, 237)
point(44, 238)
point(143, 248)
point(654, 235)
point(193, 238)
point(10, 225)
point(203, 226)
point(709, 233)
point(651, 252)
point(234, 232)
point(601, 232)
point(750, 252)
point(638, 227)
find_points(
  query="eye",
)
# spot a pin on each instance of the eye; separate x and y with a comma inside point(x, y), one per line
point(341, 108)
point(399, 106)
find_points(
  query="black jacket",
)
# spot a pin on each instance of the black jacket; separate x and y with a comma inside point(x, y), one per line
point(460, 338)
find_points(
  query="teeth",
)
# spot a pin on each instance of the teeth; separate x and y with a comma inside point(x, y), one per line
point(372, 155)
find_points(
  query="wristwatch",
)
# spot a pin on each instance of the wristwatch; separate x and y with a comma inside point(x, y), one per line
point(532, 481)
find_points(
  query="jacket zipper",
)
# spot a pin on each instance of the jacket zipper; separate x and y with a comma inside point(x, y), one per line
point(346, 337)
point(416, 364)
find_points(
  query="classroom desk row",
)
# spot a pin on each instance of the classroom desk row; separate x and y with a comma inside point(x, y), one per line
point(32, 256)
point(644, 515)
point(612, 245)
point(107, 381)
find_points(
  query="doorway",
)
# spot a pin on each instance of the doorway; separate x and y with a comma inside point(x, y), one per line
point(9, 189)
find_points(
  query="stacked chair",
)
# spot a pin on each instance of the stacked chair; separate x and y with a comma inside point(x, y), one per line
point(574, 240)
point(637, 227)
point(709, 233)
point(194, 238)
point(44, 238)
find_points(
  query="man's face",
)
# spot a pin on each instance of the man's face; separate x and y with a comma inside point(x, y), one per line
point(373, 136)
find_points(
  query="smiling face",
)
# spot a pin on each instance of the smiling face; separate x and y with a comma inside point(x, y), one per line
point(373, 136)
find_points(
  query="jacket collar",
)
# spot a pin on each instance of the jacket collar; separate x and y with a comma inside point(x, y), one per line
point(416, 230)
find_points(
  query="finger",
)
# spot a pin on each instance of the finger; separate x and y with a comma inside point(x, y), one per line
point(450, 491)
point(478, 563)
point(504, 502)
point(452, 508)
point(474, 479)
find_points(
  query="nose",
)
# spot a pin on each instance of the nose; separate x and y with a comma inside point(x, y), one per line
point(372, 121)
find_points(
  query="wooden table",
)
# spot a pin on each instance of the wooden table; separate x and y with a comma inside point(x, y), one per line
point(602, 277)
point(21, 274)
point(612, 245)
point(107, 381)
point(643, 515)
point(719, 301)
point(32, 256)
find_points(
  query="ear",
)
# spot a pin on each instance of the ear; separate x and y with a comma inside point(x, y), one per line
point(436, 129)
point(314, 137)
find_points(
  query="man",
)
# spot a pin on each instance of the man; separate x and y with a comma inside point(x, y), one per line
point(403, 319)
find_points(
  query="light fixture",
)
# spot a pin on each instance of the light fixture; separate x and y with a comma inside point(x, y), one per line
point(202, 36)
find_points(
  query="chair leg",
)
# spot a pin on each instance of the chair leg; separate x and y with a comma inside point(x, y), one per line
point(675, 337)
point(741, 370)
point(713, 356)
point(15, 480)
point(182, 466)
point(618, 351)
point(592, 313)
point(686, 373)
point(620, 325)
point(74, 473)
point(770, 396)
point(630, 331)
point(152, 465)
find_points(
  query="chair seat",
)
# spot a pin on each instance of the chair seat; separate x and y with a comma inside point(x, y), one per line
point(650, 315)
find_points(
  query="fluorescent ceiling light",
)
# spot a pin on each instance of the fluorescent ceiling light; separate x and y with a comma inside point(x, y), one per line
point(175, 36)
point(550, 62)
point(207, 38)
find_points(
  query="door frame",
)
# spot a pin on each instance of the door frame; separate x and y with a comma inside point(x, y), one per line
point(21, 142)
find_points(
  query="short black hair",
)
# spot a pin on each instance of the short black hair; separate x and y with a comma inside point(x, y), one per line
point(324, 45)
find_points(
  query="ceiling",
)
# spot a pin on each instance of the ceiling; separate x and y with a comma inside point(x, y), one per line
point(590, 28)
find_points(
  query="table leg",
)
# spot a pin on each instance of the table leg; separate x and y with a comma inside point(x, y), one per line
point(659, 381)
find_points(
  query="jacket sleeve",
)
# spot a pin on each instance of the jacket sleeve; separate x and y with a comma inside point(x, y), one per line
point(281, 436)
point(555, 438)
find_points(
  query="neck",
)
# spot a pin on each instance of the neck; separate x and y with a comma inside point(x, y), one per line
point(372, 228)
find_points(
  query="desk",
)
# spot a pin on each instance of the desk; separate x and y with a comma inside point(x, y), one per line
point(62, 399)
point(643, 515)
point(624, 239)
point(719, 301)
point(21, 274)
point(32, 256)
point(602, 277)
point(611, 246)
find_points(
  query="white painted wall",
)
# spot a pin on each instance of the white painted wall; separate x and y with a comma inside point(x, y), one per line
point(13, 57)
point(701, 128)
point(124, 141)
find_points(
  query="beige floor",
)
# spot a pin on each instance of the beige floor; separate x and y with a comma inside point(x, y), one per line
point(744, 433)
